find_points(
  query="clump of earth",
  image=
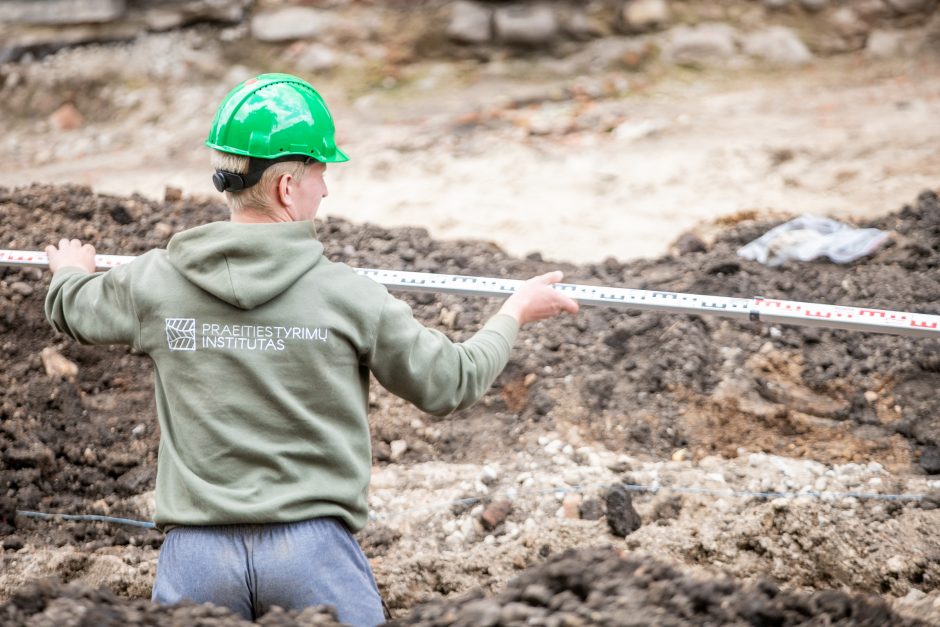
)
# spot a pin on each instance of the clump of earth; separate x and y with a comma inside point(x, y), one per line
point(502, 491)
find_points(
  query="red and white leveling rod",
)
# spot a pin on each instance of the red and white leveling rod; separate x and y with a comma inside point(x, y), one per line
point(756, 309)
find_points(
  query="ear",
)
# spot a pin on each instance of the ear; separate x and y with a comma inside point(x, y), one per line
point(284, 190)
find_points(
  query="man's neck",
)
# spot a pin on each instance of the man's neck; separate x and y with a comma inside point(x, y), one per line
point(254, 216)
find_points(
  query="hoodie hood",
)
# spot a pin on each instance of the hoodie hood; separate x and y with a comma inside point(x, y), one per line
point(246, 265)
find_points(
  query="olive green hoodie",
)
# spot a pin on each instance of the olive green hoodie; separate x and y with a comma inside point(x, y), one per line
point(262, 350)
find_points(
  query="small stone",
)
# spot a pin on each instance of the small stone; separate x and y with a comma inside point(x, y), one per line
point(592, 509)
point(530, 25)
point(931, 499)
point(571, 505)
point(622, 517)
point(913, 596)
point(13, 543)
point(138, 430)
point(690, 243)
point(22, 288)
point(172, 194)
point(644, 15)
point(680, 455)
point(398, 448)
point(290, 23)
point(930, 460)
point(163, 230)
point(537, 594)
point(89, 457)
point(701, 44)
point(778, 45)
point(542, 403)
point(489, 475)
point(381, 451)
point(495, 513)
point(470, 23)
point(871, 396)
point(896, 564)
point(57, 366)
point(66, 118)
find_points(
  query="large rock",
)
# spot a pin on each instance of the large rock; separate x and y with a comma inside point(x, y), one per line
point(290, 23)
point(622, 518)
point(61, 11)
point(930, 460)
point(702, 44)
point(533, 25)
point(847, 23)
point(778, 45)
point(167, 15)
point(644, 15)
point(882, 44)
point(470, 23)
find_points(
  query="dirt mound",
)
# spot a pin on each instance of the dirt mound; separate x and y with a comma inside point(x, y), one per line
point(601, 587)
point(54, 603)
point(592, 586)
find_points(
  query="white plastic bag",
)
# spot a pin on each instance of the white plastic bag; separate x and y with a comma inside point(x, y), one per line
point(808, 237)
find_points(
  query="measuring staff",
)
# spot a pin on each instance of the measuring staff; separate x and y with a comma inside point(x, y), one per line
point(754, 309)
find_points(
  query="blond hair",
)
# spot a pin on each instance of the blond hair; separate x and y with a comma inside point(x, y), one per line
point(258, 197)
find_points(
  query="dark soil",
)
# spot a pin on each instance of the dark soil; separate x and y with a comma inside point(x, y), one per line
point(51, 602)
point(602, 587)
point(641, 383)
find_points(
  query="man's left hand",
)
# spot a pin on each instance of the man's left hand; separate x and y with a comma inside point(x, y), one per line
point(71, 253)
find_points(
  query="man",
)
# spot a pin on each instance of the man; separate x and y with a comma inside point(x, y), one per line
point(262, 350)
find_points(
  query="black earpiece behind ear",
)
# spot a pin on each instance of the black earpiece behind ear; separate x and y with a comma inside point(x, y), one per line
point(228, 181)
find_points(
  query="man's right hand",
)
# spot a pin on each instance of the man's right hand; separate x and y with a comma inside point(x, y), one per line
point(536, 300)
point(71, 253)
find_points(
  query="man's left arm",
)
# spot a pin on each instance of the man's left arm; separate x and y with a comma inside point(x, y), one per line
point(92, 307)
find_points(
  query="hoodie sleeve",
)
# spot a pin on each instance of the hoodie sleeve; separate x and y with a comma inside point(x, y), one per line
point(96, 308)
point(426, 368)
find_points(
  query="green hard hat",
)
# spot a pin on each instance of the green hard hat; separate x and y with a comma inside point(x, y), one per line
point(275, 115)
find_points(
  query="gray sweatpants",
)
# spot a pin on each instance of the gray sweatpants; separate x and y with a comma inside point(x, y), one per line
point(249, 568)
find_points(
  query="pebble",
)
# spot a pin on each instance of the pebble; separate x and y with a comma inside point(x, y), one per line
point(571, 506)
point(22, 288)
point(495, 513)
point(680, 455)
point(592, 509)
point(66, 118)
point(896, 564)
point(470, 23)
point(398, 448)
point(57, 366)
point(489, 475)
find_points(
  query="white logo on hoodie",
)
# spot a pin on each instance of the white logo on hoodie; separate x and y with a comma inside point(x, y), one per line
point(181, 334)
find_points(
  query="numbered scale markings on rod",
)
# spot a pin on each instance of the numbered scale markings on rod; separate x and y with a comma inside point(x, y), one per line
point(755, 309)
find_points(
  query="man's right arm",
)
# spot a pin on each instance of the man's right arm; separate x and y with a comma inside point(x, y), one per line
point(439, 376)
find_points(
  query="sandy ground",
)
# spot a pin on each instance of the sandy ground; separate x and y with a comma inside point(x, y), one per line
point(483, 151)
